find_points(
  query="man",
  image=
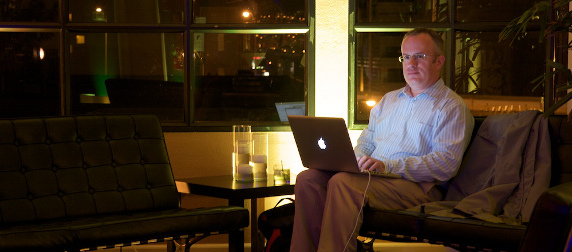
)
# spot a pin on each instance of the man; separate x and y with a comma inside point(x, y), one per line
point(419, 132)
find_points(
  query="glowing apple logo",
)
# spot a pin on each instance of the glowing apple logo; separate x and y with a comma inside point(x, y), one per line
point(322, 143)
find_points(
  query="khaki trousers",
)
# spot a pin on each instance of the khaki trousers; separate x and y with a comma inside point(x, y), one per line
point(328, 204)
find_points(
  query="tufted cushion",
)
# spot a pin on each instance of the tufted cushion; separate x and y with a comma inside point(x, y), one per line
point(78, 166)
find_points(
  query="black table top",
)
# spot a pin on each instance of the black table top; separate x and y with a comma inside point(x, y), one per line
point(225, 187)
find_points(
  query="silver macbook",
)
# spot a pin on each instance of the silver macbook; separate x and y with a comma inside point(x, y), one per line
point(324, 144)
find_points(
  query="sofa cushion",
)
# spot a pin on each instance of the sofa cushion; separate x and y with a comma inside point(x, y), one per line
point(485, 235)
point(403, 225)
point(96, 231)
point(118, 228)
point(35, 236)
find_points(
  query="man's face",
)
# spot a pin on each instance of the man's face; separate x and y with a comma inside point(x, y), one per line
point(421, 73)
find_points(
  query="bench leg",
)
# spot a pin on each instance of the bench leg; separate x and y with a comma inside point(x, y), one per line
point(171, 246)
point(236, 241)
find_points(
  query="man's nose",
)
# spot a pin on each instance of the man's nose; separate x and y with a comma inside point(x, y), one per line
point(411, 63)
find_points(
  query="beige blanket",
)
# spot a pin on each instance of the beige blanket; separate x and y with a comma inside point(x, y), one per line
point(504, 171)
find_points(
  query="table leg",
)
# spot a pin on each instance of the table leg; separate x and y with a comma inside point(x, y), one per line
point(255, 246)
point(236, 238)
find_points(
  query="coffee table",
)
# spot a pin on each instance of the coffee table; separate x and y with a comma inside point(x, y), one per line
point(236, 192)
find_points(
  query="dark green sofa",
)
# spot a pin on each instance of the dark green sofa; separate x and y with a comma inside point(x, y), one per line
point(91, 182)
point(549, 228)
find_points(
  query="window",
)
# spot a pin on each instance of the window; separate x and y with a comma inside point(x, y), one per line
point(244, 83)
point(29, 74)
point(127, 73)
point(492, 77)
point(192, 63)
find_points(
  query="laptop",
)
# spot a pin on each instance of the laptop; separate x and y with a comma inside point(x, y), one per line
point(324, 144)
point(290, 108)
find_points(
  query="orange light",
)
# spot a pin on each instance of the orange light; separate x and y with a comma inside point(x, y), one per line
point(246, 14)
point(370, 103)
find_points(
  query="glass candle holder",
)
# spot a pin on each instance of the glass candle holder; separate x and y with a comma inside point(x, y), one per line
point(259, 158)
point(241, 154)
point(281, 174)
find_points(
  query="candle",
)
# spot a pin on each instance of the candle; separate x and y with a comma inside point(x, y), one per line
point(259, 158)
point(259, 167)
point(244, 169)
point(243, 148)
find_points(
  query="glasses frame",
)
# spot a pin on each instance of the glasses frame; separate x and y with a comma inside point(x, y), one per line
point(416, 57)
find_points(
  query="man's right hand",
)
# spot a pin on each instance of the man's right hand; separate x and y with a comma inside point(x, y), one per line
point(367, 163)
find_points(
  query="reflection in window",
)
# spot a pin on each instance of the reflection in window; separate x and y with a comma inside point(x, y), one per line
point(127, 73)
point(256, 11)
point(489, 74)
point(29, 74)
point(127, 11)
point(241, 77)
point(29, 11)
point(491, 10)
point(402, 11)
point(378, 70)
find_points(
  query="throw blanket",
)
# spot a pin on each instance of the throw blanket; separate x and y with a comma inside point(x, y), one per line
point(503, 173)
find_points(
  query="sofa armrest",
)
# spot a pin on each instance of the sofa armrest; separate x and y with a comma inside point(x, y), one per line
point(551, 221)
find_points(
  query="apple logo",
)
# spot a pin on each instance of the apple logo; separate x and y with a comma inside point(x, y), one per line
point(322, 143)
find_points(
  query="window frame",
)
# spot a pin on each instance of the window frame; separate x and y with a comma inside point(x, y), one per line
point(451, 27)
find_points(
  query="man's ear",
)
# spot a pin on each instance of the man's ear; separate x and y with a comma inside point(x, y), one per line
point(440, 60)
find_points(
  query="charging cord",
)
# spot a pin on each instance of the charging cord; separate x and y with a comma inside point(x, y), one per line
point(360, 210)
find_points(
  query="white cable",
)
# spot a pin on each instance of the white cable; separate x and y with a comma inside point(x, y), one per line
point(360, 210)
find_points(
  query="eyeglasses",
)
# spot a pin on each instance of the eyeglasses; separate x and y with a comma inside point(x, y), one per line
point(418, 56)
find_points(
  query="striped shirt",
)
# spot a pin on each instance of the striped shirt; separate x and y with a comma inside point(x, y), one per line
point(422, 138)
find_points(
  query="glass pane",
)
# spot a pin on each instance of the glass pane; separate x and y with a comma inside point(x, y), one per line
point(495, 76)
point(241, 77)
point(29, 11)
point(402, 11)
point(378, 70)
point(127, 11)
point(254, 11)
point(491, 10)
point(29, 74)
point(139, 73)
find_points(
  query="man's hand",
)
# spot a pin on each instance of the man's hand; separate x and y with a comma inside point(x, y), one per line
point(370, 164)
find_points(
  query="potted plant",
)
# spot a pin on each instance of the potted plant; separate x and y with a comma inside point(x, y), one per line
point(554, 17)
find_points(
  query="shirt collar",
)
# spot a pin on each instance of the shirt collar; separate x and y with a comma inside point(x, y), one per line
point(432, 91)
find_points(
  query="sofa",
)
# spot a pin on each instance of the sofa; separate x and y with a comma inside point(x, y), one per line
point(89, 182)
point(548, 229)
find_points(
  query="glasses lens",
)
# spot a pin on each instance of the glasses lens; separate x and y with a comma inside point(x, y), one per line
point(419, 56)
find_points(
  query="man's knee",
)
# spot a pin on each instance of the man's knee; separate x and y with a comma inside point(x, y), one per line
point(311, 179)
point(348, 183)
